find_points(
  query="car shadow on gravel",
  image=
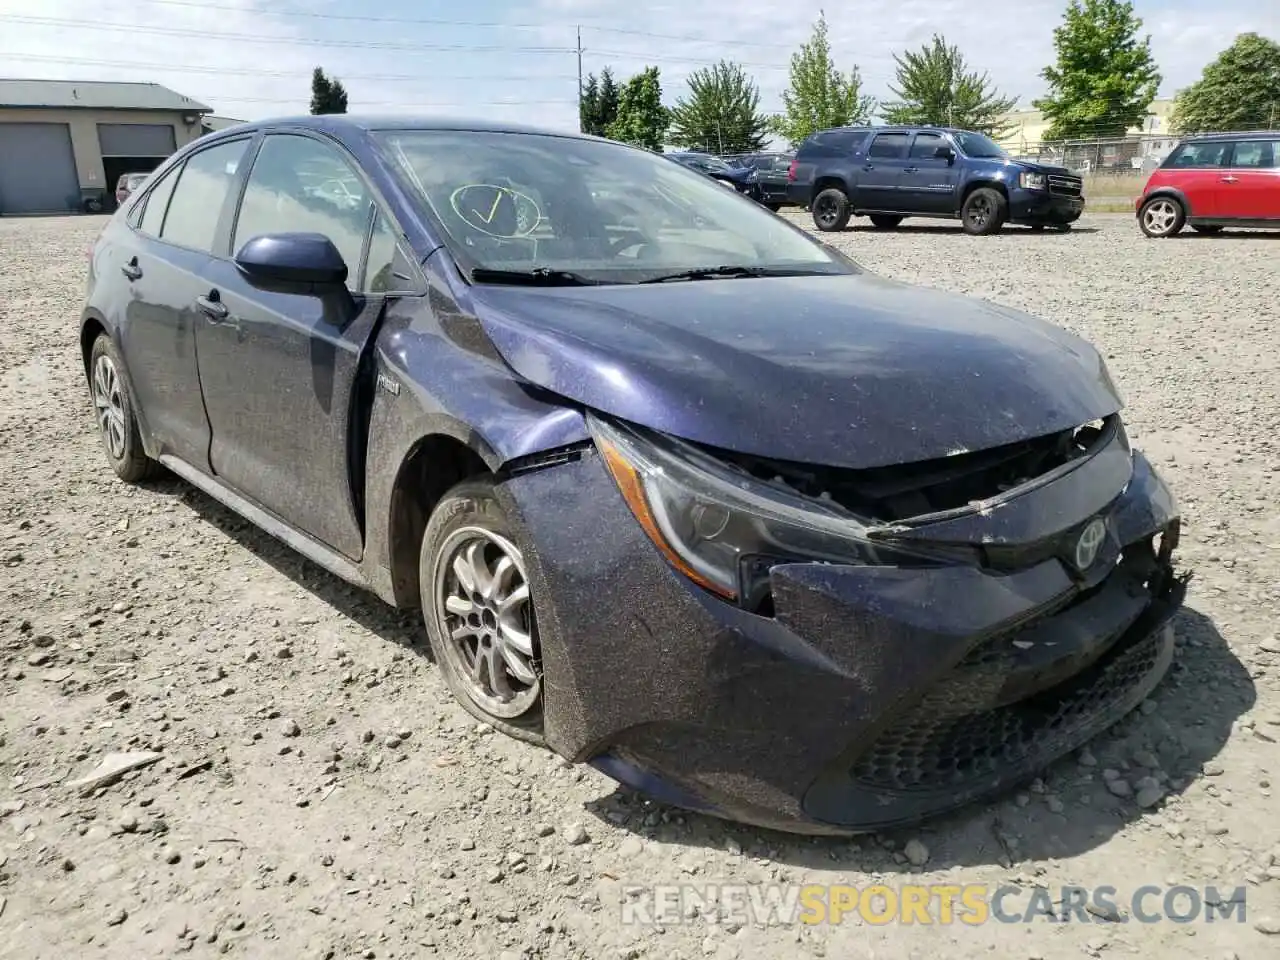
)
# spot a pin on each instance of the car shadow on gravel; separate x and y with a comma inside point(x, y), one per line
point(953, 229)
point(1075, 806)
point(365, 608)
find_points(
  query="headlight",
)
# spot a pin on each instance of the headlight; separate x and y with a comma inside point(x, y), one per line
point(1031, 181)
point(721, 527)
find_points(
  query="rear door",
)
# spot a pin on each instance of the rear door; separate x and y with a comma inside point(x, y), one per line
point(879, 179)
point(1251, 181)
point(163, 264)
point(928, 183)
point(279, 369)
point(1196, 169)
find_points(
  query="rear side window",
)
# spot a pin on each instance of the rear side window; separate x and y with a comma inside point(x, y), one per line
point(926, 145)
point(1256, 154)
point(157, 201)
point(833, 142)
point(196, 205)
point(1199, 154)
point(888, 145)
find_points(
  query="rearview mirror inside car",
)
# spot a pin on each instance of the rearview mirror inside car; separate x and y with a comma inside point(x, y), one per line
point(275, 259)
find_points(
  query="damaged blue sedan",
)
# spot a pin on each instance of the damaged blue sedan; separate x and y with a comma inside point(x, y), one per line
point(680, 491)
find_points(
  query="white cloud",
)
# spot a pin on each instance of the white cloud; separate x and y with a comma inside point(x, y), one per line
point(215, 54)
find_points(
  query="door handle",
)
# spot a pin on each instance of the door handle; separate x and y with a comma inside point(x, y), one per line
point(1230, 180)
point(132, 270)
point(868, 166)
point(910, 169)
point(213, 307)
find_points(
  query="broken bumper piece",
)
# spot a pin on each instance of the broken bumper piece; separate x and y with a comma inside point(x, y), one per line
point(874, 696)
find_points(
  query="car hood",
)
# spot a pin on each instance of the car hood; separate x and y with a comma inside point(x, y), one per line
point(1045, 168)
point(850, 371)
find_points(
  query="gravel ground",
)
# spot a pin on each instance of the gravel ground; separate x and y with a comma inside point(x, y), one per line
point(319, 795)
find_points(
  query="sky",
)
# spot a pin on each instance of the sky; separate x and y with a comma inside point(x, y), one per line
point(503, 60)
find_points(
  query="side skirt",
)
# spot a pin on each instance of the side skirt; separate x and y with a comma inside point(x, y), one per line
point(314, 551)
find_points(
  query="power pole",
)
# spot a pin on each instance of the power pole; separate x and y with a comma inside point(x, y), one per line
point(580, 130)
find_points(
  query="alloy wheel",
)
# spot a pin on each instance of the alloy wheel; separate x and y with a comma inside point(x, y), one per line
point(482, 595)
point(825, 213)
point(109, 401)
point(979, 211)
point(1160, 217)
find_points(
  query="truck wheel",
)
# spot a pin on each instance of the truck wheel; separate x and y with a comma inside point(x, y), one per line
point(885, 221)
point(1161, 217)
point(479, 611)
point(984, 212)
point(831, 210)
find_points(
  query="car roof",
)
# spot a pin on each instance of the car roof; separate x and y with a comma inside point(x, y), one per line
point(349, 126)
point(1236, 135)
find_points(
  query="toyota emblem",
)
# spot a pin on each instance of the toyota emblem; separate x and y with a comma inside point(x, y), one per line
point(1090, 543)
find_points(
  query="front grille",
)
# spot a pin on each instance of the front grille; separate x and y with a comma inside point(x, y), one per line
point(1066, 186)
point(948, 742)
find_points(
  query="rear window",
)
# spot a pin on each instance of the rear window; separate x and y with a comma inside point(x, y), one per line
point(1201, 153)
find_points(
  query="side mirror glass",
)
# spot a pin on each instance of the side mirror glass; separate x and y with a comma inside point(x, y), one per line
point(292, 259)
point(945, 153)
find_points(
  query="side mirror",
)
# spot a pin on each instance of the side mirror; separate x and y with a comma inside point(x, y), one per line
point(945, 153)
point(292, 259)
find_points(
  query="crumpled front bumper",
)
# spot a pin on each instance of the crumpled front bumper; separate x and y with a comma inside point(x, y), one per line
point(874, 696)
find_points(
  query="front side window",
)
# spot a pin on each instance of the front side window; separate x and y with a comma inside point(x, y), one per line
point(1204, 153)
point(604, 211)
point(888, 145)
point(386, 272)
point(979, 146)
point(300, 185)
point(925, 146)
point(1256, 154)
point(196, 205)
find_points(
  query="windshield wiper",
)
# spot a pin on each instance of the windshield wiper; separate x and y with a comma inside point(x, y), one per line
point(731, 272)
point(538, 276)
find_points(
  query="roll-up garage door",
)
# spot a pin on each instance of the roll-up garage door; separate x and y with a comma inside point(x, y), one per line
point(136, 139)
point(37, 169)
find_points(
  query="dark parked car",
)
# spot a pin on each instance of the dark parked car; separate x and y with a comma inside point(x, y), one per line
point(888, 173)
point(1214, 181)
point(741, 178)
point(680, 491)
point(128, 183)
point(772, 176)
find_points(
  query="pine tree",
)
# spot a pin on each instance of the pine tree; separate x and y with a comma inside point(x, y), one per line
point(937, 88)
point(721, 112)
point(327, 94)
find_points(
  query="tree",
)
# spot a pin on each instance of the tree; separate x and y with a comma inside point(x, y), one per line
point(1238, 91)
point(327, 94)
point(936, 88)
point(1105, 77)
point(818, 96)
point(642, 119)
point(598, 103)
point(721, 112)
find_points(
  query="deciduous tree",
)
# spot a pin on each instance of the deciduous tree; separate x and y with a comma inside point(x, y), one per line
point(819, 96)
point(1105, 77)
point(642, 119)
point(1240, 90)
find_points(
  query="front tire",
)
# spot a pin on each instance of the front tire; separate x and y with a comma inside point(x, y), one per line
point(984, 212)
point(885, 221)
point(113, 410)
point(831, 210)
point(1162, 217)
point(479, 612)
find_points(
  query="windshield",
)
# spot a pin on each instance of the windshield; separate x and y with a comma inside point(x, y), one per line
point(604, 212)
point(976, 145)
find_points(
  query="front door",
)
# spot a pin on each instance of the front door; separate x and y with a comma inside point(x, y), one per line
point(1251, 182)
point(928, 182)
point(1197, 169)
point(279, 368)
point(880, 175)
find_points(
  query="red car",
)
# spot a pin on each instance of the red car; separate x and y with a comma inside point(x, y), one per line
point(1214, 181)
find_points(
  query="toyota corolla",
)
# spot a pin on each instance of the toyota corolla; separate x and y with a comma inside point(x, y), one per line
point(680, 491)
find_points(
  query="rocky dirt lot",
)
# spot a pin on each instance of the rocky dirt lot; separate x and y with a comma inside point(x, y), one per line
point(319, 795)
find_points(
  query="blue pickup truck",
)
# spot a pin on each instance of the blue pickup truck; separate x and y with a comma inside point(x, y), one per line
point(889, 173)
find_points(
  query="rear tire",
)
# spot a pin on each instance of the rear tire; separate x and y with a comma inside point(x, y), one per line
point(479, 612)
point(113, 411)
point(773, 207)
point(885, 221)
point(1162, 217)
point(984, 212)
point(831, 210)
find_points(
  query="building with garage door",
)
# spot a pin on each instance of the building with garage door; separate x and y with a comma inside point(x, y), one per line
point(65, 143)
